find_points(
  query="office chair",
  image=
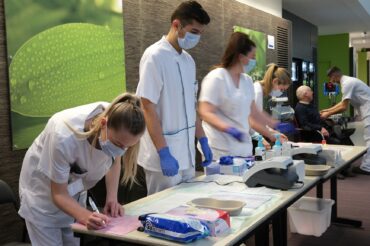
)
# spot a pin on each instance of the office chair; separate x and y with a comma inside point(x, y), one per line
point(304, 135)
point(7, 196)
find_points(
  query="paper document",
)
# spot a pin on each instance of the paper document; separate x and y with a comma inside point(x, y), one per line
point(162, 205)
point(116, 226)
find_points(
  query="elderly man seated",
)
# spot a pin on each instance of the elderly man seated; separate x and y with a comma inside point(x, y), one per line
point(308, 117)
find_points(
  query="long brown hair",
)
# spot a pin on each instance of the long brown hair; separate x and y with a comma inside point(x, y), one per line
point(123, 113)
point(239, 43)
point(274, 71)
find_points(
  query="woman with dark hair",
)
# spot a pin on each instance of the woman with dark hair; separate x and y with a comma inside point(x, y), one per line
point(227, 105)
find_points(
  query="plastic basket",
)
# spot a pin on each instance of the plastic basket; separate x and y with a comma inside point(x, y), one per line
point(310, 216)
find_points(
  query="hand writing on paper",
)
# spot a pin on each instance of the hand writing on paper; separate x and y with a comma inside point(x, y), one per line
point(113, 208)
point(96, 221)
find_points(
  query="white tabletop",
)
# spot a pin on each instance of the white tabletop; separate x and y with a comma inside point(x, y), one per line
point(249, 224)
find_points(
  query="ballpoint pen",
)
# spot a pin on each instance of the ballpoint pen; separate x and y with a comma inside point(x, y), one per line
point(94, 207)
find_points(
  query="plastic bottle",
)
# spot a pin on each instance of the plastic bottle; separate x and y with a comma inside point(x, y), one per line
point(287, 147)
point(260, 150)
point(277, 148)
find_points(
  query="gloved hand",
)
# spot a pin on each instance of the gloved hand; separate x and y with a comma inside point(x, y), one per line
point(285, 127)
point(207, 152)
point(169, 165)
point(237, 134)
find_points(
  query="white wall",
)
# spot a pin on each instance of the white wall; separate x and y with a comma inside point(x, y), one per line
point(274, 7)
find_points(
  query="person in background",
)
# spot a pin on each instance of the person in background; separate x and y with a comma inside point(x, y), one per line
point(227, 105)
point(275, 82)
point(308, 116)
point(357, 93)
point(168, 91)
point(75, 150)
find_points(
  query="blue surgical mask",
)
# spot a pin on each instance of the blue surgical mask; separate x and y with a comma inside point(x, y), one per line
point(276, 93)
point(250, 66)
point(190, 40)
point(109, 148)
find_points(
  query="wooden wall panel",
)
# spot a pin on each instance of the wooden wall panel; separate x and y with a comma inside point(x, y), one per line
point(10, 161)
point(145, 23)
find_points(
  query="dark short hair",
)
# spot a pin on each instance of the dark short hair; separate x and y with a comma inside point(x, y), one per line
point(333, 70)
point(188, 11)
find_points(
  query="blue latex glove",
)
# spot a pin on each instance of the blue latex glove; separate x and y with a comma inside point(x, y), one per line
point(227, 160)
point(285, 127)
point(238, 135)
point(169, 165)
point(207, 152)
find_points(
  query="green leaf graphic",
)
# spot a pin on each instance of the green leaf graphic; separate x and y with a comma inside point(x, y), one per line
point(65, 66)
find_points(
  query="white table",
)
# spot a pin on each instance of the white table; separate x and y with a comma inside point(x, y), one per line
point(256, 224)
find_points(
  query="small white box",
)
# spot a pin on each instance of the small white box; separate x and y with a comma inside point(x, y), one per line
point(238, 168)
point(310, 216)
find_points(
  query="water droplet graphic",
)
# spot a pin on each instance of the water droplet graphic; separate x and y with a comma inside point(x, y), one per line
point(31, 85)
point(23, 100)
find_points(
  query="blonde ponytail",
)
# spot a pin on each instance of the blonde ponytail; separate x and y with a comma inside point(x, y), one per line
point(274, 71)
point(123, 113)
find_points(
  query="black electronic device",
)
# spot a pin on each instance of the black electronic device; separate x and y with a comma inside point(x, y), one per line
point(278, 173)
point(277, 178)
point(310, 159)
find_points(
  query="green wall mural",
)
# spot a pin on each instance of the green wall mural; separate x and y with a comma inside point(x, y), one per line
point(332, 50)
point(259, 38)
point(62, 54)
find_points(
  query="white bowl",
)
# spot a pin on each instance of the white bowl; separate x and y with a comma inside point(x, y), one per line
point(231, 206)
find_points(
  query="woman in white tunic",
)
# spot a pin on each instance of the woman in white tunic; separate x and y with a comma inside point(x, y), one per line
point(227, 104)
point(274, 83)
point(75, 150)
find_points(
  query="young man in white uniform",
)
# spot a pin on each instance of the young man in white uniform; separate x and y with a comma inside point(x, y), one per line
point(168, 89)
point(357, 93)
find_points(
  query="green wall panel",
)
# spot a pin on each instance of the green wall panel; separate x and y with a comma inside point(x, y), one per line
point(333, 50)
point(362, 66)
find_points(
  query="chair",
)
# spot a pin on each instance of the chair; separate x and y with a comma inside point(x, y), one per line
point(303, 135)
point(7, 196)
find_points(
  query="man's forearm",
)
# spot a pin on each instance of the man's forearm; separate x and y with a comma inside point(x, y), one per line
point(153, 124)
point(199, 132)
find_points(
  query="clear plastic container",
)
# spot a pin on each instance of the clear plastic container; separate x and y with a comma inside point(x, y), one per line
point(310, 216)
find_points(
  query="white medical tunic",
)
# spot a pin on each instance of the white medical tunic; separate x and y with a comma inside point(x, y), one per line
point(359, 95)
point(167, 79)
point(258, 95)
point(51, 157)
point(233, 107)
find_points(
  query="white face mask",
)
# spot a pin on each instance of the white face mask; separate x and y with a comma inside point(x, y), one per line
point(190, 40)
point(276, 93)
point(109, 148)
point(250, 66)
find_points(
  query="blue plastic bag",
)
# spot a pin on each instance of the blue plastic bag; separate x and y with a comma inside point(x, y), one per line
point(175, 228)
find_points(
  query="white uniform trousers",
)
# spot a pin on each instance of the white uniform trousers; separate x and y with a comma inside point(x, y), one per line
point(156, 181)
point(46, 236)
point(365, 165)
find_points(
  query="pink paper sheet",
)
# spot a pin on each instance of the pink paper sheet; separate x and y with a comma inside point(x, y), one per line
point(116, 226)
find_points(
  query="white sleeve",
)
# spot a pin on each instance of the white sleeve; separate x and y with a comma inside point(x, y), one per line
point(258, 95)
point(211, 90)
point(56, 157)
point(348, 89)
point(150, 83)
